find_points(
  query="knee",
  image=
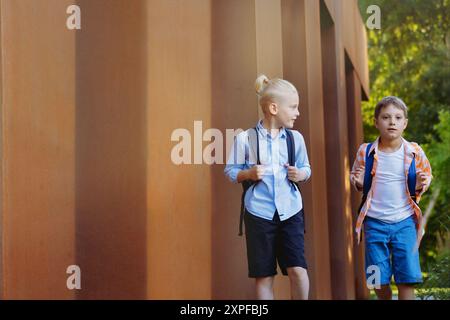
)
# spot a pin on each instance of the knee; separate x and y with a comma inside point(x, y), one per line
point(297, 273)
point(386, 288)
point(264, 282)
point(384, 292)
point(405, 287)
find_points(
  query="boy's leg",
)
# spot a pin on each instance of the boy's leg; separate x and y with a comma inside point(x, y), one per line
point(291, 255)
point(406, 292)
point(264, 288)
point(260, 238)
point(298, 277)
point(377, 257)
point(384, 293)
point(405, 259)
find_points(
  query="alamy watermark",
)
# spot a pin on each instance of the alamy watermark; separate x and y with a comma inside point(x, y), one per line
point(189, 148)
point(74, 280)
point(374, 20)
point(373, 277)
point(73, 22)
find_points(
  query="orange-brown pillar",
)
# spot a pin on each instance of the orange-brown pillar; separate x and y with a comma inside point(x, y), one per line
point(111, 149)
point(302, 66)
point(178, 196)
point(338, 185)
point(233, 106)
point(38, 146)
point(244, 44)
point(355, 138)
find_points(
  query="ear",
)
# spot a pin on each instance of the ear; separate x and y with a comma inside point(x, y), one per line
point(375, 122)
point(273, 108)
point(406, 123)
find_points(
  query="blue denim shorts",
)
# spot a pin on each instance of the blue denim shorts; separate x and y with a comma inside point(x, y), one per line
point(392, 248)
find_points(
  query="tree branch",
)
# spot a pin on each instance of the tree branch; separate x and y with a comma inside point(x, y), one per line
point(431, 205)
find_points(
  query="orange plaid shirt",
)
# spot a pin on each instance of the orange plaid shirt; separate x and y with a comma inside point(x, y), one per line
point(412, 149)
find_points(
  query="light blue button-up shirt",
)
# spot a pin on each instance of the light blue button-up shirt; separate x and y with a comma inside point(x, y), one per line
point(274, 191)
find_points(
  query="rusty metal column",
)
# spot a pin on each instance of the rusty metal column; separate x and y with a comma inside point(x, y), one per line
point(178, 196)
point(355, 138)
point(247, 40)
point(37, 149)
point(234, 106)
point(302, 65)
point(338, 185)
point(111, 150)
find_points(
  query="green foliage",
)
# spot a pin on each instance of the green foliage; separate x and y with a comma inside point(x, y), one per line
point(439, 156)
point(439, 152)
point(436, 284)
point(410, 57)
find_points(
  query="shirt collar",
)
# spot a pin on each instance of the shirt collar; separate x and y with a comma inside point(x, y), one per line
point(265, 133)
point(409, 149)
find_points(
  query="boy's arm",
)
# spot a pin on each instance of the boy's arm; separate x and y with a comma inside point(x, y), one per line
point(302, 161)
point(423, 166)
point(358, 163)
point(236, 160)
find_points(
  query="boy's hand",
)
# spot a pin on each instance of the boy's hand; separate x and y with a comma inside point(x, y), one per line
point(256, 172)
point(421, 180)
point(357, 177)
point(294, 174)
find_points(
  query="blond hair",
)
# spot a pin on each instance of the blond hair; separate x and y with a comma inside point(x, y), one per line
point(271, 90)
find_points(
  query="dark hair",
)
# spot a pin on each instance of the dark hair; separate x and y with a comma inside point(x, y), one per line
point(395, 101)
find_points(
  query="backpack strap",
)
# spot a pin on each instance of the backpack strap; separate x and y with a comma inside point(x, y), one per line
point(246, 184)
point(367, 175)
point(290, 147)
point(291, 152)
point(291, 156)
point(412, 179)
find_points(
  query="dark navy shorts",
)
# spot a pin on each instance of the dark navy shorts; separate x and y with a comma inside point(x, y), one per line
point(271, 241)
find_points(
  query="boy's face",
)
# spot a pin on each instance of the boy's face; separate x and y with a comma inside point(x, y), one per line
point(287, 110)
point(391, 122)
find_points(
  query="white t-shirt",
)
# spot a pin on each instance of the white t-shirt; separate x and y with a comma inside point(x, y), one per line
point(390, 200)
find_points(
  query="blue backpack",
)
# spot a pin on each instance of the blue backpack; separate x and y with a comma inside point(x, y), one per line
point(247, 184)
point(368, 177)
